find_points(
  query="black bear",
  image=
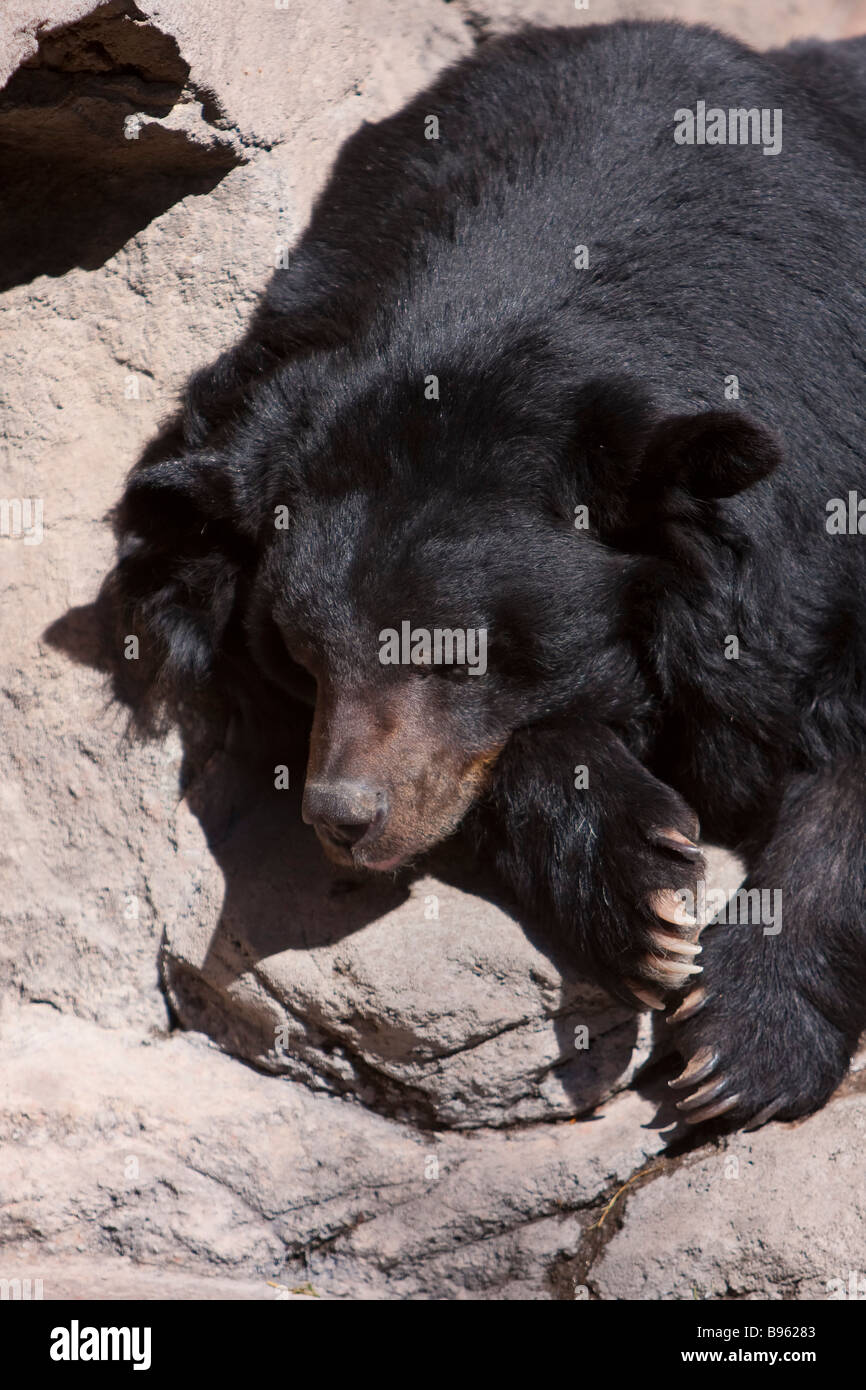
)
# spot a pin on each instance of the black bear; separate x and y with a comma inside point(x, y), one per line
point(537, 474)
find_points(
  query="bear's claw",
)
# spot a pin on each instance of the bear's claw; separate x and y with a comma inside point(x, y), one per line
point(691, 1005)
point(679, 843)
point(704, 1062)
point(766, 1114)
point(665, 940)
point(670, 974)
point(646, 996)
point(711, 1112)
point(678, 944)
point(667, 903)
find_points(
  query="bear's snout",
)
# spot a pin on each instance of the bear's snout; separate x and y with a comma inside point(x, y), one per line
point(344, 812)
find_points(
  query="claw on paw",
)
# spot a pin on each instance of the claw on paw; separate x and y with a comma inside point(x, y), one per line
point(671, 973)
point(668, 904)
point(702, 1095)
point(676, 943)
point(764, 1115)
point(712, 1112)
point(646, 996)
point(679, 843)
point(690, 1005)
point(698, 1069)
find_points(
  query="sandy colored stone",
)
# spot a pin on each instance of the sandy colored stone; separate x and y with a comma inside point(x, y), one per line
point(774, 1215)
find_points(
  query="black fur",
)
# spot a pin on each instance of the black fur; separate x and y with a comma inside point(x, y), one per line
point(561, 387)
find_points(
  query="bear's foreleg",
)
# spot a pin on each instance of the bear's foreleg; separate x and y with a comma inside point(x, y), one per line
point(772, 1026)
point(600, 852)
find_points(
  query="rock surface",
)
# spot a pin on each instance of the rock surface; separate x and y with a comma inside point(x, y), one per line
point(392, 1111)
point(166, 1152)
point(424, 999)
point(776, 1215)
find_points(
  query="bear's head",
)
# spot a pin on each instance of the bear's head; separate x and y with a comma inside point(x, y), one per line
point(432, 562)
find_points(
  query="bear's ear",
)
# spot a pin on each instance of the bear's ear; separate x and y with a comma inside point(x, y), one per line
point(178, 494)
point(716, 453)
point(642, 469)
point(185, 541)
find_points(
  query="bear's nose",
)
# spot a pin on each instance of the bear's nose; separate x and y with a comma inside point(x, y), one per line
point(345, 810)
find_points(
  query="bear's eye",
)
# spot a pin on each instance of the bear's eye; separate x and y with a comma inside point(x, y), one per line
point(445, 670)
point(454, 673)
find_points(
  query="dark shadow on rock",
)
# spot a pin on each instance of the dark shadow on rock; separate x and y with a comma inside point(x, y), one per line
point(229, 773)
point(586, 1073)
point(281, 893)
point(651, 1082)
point(83, 168)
